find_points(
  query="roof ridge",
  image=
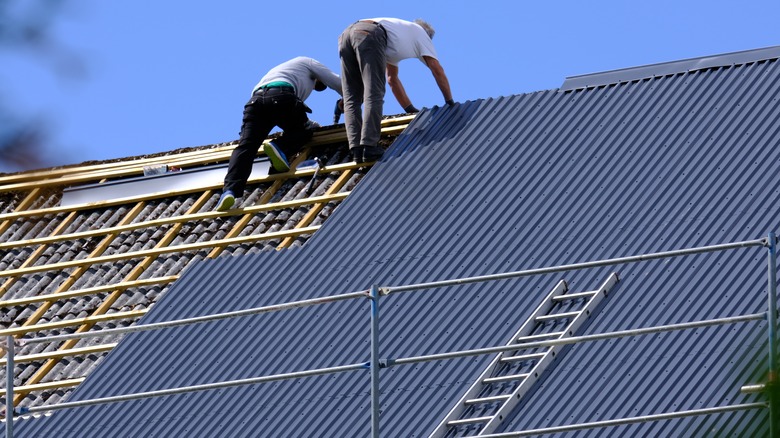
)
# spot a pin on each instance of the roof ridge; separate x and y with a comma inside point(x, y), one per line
point(611, 77)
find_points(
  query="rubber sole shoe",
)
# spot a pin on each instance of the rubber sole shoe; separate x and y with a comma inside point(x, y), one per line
point(226, 201)
point(372, 153)
point(276, 156)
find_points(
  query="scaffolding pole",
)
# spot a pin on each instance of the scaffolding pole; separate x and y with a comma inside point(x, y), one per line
point(631, 420)
point(575, 339)
point(772, 333)
point(193, 388)
point(374, 361)
point(9, 387)
point(198, 319)
point(387, 290)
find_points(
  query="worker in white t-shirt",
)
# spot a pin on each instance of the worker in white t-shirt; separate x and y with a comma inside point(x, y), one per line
point(369, 49)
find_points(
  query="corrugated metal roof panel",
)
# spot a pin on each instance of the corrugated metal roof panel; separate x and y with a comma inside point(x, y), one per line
point(496, 185)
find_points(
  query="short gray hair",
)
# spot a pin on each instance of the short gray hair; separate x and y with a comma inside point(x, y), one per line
point(428, 28)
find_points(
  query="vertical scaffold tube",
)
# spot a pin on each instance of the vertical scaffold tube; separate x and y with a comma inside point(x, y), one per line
point(9, 388)
point(772, 331)
point(375, 361)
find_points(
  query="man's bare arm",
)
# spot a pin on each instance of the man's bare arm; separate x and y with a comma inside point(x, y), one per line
point(441, 78)
point(397, 87)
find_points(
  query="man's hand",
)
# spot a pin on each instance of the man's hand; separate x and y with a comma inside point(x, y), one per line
point(411, 109)
point(338, 110)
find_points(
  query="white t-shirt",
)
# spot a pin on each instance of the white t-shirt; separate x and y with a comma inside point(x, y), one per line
point(405, 39)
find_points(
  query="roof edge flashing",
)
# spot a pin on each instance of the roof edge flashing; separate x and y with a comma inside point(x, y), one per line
point(612, 77)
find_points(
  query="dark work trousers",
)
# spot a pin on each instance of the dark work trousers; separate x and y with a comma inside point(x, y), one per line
point(362, 50)
point(267, 108)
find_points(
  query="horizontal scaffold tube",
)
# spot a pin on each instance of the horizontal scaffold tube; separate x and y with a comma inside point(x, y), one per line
point(576, 339)
point(387, 290)
point(198, 319)
point(193, 388)
point(630, 420)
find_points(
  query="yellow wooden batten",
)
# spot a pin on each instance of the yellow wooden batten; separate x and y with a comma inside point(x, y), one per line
point(26, 389)
point(41, 327)
point(175, 220)
point(159, 251)
point(165, 194)
point(83, 351)
point(88, 291)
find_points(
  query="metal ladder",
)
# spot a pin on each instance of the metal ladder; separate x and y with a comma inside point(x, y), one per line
point(511, 375)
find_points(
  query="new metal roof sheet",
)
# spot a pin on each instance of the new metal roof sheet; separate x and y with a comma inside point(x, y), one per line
point(490, 186)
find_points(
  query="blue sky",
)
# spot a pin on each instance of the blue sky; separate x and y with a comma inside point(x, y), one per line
point(154, 76)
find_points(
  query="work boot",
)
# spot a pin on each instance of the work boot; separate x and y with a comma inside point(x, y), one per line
point(357, 154)
point(226, 201)
point(276, 156)
point(372, 153)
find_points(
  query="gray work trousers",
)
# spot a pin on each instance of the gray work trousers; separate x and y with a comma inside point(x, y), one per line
point(362, 52)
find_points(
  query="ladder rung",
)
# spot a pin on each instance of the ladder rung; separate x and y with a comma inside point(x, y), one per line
point(495, 398)
point(522, 357)
point(539, 337)
point(567, 297)
point(554, 316)
point(506, 378)
point(469, 421)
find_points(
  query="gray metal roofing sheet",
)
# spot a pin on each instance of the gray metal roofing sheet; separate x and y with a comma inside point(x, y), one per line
point(495, 185)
